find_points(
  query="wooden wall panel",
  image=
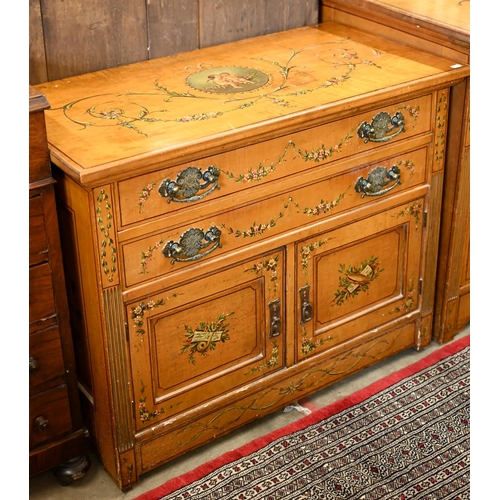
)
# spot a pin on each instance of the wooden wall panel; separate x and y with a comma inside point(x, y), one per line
point(81, 37)
point(221, 22)
point(301, 13)
point(173, 27)
point(38, 64)
point(71, 37)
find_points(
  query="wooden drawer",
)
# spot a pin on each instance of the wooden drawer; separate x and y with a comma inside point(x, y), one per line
point(39, 167)
point(46, 359)
point(50, 416)
point(151, 257)
point(208, 337)
point(358, 278)
point(38, 244)
point(42, 308)
point(185, 186)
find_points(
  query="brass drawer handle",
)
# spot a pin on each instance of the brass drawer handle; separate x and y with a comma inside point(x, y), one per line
point(377, 179)
point(382, 124)
point(191, 244)
point(185, 188)
point(41, 422)
point(34, 364)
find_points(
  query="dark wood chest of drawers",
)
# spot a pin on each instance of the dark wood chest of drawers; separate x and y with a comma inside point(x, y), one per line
point(57, 435)
point(244, 225)
point(440, 27)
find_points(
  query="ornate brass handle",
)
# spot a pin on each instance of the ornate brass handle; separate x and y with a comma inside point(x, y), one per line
point(382, 124)
point(377, 179)
point(306, 310)
point(275, 315)
point(185, 188)
point(34, 364)
point(191, 244)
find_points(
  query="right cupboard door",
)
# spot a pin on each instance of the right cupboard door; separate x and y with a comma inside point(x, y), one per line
point(359, 277)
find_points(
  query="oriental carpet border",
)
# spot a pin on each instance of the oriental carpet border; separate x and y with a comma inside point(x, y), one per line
point(441, 471)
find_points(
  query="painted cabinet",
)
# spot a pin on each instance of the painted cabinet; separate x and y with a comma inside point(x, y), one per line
point(244, 225)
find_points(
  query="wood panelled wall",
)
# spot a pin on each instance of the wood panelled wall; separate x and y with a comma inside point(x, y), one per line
point(71, 37)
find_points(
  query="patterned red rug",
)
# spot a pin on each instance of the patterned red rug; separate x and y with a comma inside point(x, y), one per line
point(403, 437)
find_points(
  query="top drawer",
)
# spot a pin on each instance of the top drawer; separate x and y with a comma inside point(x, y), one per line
point(166, 191)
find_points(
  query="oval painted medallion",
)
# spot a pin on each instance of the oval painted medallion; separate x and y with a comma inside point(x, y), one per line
point(228, 80)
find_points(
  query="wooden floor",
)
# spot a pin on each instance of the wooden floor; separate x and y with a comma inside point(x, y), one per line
point(97, 485)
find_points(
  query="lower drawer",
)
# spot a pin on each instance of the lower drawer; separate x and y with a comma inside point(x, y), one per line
point(46, 359)
point(50, 416)
point(42, 308)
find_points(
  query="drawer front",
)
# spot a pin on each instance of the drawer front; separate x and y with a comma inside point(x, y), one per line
point(42, 309)
point(50, 416)
point(39, 164)
point(45, 353)
point(359, 277)
point(38, 244)
point(172, 250)
point(168, 191)
point(208, 337)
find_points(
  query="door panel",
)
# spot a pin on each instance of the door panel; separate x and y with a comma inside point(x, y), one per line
point(361, 283)
point(207, 337)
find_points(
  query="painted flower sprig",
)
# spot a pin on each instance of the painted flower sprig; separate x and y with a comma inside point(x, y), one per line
point(269, 265)
point(138, 314)
point(305, 252)
point(148, 255)
point(144, 414)
point(407, 304)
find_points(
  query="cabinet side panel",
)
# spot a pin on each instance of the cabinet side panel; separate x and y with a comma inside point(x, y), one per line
point(77, 243)
point(454, 235)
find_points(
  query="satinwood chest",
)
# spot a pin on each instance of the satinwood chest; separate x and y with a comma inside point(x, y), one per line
point(244, 225)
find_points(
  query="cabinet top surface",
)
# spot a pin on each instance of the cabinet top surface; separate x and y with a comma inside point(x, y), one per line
point(450, 15)
point(119, 122)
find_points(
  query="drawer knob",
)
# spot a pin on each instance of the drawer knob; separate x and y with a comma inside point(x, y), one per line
point(378, 179)
point(34, 364)
point(191, 180)
point(191, 246)
point(41, 422)
point(383, 127)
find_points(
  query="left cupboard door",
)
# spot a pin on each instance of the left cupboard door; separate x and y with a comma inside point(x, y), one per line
point(207, 337)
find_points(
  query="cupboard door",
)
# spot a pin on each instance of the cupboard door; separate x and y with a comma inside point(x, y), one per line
point(359, 277)
point(207, 337)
